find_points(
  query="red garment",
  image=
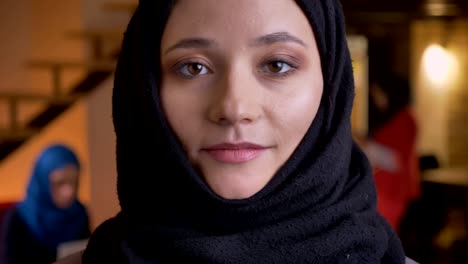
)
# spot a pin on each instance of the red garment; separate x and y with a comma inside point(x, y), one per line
point(396, 189)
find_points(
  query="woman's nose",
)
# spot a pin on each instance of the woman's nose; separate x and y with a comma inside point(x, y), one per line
point(68, 192)
point(236, 99)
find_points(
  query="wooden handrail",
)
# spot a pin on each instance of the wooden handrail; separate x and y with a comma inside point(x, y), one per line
point(13, 110)
point(14, 98)
point(39, 97)
point(57, 67)
point(16, 134)
point(56, 64)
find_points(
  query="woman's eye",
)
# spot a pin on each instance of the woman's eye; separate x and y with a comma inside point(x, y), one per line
point(278, 67)
point(193, 69)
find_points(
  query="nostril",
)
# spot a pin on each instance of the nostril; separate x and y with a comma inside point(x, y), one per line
point(224, 122)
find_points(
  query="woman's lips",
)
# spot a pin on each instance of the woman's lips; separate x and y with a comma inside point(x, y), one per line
point(234, 153)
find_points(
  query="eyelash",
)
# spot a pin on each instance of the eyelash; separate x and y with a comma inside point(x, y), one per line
point(179, 67)
point(293, 66)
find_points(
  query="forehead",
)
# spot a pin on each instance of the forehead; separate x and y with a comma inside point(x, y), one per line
point(230, 19)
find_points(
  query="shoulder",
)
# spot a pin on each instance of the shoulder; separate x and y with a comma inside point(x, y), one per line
point(72, 259)
point(11, 214)
point(12, 222)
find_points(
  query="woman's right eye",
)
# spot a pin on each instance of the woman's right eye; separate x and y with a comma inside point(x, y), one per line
point(192, 69)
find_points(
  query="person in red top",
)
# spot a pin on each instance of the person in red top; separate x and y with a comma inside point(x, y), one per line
point(392, 147)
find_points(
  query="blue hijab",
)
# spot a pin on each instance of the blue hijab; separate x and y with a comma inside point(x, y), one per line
point(49, 224)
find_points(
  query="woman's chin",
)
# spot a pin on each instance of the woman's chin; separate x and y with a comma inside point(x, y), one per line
point(236, 181)
point(235, 186)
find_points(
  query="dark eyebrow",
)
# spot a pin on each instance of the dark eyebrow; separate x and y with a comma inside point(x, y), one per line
point(270, 39)
point(273, 38)
point(191, 43)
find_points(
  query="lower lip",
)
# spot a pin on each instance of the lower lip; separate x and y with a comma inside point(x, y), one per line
point(235, 155)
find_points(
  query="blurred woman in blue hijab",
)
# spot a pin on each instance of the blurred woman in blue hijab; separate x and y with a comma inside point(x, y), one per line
point(50, 214)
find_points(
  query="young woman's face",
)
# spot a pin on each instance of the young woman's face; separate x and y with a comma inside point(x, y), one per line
point(242, 83)
point(64, 186)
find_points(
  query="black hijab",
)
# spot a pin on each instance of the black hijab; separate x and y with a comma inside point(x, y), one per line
point(320, 207)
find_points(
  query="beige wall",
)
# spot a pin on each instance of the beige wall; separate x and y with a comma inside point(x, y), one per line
point(98, 17)
point(103, 187)
point(101, 146)
point(441, 108)
point(15, 33)
point(358, 47)
point(458, 99)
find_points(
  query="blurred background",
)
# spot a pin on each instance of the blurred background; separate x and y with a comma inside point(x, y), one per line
point(56, 71)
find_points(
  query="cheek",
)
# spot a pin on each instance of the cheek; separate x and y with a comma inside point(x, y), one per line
point(58, 195)
point(55, 193)
point(295, 112)
point(183, 108)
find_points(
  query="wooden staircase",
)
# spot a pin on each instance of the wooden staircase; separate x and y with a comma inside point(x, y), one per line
point(96, 71)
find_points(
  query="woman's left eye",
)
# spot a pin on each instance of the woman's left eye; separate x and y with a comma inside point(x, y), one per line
point(278, 67)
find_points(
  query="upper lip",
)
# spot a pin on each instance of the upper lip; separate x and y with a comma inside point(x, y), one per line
point(235, 146)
